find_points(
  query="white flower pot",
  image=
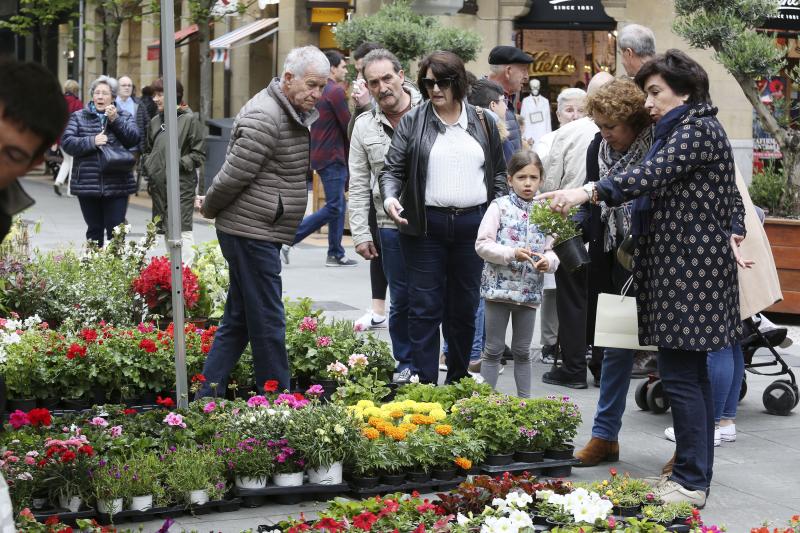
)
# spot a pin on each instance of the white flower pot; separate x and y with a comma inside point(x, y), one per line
point(39, 503)
point(73, 503)
point(141, 503)
point(288, 480)
point(110, 506)
point(326, 475)
point(245, 482)
point(197, 497)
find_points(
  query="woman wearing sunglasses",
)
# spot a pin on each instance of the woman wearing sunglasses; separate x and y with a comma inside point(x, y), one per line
point(444, 166)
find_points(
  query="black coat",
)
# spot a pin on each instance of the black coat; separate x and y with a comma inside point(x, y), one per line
point(78, 141)
point(685, 275)
point(406, 167)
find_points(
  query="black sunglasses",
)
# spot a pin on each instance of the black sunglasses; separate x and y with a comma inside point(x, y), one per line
point(443, 83)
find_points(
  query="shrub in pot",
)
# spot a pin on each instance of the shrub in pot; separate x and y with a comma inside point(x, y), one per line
point(492, 418)
point(252, 462)
point(193, 469)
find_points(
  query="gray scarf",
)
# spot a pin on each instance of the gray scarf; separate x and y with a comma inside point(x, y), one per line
point(617, 220)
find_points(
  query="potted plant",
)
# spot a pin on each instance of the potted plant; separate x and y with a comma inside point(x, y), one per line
point(358, 382)
point(288, 463)
point(26, 377)
point(67, 462)
point(194, 474)
point(144, 481)
point(368, 458)
point(668, 513)
point(563, 418)
point(325, 435)
point(252, 463)
point(154, 286)
point(567, 239)
point(425, 448)
point(460, 447)
point(109, 486)
point(530, 446)
point(493, 418)
point(394, 458)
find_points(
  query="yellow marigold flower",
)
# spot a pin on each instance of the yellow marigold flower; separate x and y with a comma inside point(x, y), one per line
point(463, 462)
point(438, 414)
point(422, 420)
point(444, 429)
point(371, 433)
point(363, 404)
point(397, 414)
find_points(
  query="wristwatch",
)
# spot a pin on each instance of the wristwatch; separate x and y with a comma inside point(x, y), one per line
point(591, 191)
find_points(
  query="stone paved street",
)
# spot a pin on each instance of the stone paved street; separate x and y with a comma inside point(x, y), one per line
point(755, 478)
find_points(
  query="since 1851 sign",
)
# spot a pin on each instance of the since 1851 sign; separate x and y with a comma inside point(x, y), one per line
point(788, 18)
point(566, 14)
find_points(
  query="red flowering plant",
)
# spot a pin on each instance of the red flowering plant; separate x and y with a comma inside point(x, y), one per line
point(27, 522)
point(66, 463)
point(154, 286)
point(20, 468)
point(394, 512)
point(792, 527)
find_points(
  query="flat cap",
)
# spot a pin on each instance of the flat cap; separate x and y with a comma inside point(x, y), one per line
point(508, 55)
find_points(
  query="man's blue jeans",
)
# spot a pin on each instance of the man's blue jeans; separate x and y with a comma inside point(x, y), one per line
point(253, 313)
point(479, 340)
point(394, 268)
point(333, 179)
point(444, 275)
point(726, 370)
point(615, 377)
point(684, 375)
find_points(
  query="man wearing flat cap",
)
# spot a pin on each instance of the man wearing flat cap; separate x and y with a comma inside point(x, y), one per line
point(508, 66)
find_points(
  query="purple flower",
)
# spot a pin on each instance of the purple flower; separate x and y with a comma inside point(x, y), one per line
point(315, 390)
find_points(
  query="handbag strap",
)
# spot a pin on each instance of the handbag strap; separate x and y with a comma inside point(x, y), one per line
point(482, 118)
point(627, 286)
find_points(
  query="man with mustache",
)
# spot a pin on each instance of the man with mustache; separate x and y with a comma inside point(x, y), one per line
point(372, 135)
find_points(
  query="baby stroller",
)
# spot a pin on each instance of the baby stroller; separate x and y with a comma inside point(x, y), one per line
point(780, 396)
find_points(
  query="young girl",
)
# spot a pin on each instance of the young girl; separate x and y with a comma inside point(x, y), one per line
point(516, 255)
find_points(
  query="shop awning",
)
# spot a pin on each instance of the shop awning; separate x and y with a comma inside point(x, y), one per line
point(154, 48)
point(221, 46)
point(587, 15)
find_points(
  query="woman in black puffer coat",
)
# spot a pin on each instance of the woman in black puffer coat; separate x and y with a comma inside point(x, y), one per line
point(103, 197)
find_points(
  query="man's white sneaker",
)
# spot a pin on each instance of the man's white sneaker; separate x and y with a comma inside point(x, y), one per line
point(671, 492)
point(669, 434)
point(727, 433)
point(370, 320)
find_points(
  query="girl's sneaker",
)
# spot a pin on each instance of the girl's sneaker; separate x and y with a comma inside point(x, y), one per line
point(727, 433)
point(669, 433)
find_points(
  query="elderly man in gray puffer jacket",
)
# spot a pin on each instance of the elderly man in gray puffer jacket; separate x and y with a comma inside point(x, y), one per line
point(258, 199)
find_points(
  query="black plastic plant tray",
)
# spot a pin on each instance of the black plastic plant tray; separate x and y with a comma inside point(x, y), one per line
point(529, 467)
point(64, 515)
point(434, 485)
point(305, 488)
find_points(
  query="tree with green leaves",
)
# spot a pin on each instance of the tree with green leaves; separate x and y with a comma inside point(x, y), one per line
point(408, 35)
point(110, 16)
point(730, 29)
point(37, 17)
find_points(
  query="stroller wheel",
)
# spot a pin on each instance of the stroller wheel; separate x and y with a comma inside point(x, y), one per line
point(657, 400)
point(779, 398)
point(743, 390)
point(794, 388)
point(641, 395)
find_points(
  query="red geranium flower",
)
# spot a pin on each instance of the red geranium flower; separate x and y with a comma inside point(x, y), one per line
point(86, 450)
point(52, 520)
point(365, 520)
point(329, 524)
point(154, 285)
point(89, 335)
point(148, 345)
point(166, 402)
point(40, 417)
point(271, 385)
point(198, 378)
point(129, 412)
point(68, 456)
point(76, 349)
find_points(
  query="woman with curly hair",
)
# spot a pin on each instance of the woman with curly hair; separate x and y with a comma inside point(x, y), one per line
point(624, 138)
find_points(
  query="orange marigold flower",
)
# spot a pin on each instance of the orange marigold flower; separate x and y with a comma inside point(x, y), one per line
point(397, 434)
point(409, 427)
point(463, 462)
point(444, 429)
point(371, 433)
point(374, 421)
point(422, 420)
point(397, 414)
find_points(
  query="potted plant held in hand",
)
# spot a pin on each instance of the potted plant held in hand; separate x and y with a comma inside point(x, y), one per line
point(567, 240)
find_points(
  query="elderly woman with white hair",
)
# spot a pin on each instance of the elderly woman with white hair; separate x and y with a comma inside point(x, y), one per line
point(99, 138)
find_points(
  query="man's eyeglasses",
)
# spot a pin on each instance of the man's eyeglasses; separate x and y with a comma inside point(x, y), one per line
point(443, 84)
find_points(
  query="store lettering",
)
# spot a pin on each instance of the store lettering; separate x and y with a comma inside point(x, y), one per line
point(580, 7)
point(555, 65)
point(790, 4)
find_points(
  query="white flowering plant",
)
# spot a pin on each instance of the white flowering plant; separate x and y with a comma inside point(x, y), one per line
point(212, 270)
point(323, 433)
point(505, 515)
point(578, 507)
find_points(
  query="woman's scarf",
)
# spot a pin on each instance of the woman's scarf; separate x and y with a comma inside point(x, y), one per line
point(617, 220)
point(640, 216)
point(101, 114)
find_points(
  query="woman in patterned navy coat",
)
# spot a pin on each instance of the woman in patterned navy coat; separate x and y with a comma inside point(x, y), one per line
point(687, 222)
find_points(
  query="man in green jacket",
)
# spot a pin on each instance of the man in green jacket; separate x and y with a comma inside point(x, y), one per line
point(192, 156)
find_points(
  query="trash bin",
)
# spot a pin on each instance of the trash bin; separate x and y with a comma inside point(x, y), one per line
point(219, 134)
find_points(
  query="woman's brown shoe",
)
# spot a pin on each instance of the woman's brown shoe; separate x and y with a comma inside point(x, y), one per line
point(666, 471)
point(598, 451)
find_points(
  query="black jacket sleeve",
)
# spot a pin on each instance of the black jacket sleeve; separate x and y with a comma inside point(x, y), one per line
point(393, 175)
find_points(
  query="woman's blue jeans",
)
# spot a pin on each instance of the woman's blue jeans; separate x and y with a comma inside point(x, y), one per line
point(726, 371)
point(615, 378)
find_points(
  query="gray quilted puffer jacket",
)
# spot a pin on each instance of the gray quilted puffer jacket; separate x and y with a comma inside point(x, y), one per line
point(260, 191)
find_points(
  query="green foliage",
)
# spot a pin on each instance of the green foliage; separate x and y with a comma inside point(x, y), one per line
point(368, 458)
point(212, 270)
point(34, 14)
point(446, 395)
point(409, 35)
point(668, 512)
point(561, 228)
point(767, 189)
point(193, 468)
point(323, 433)
point(493, 418)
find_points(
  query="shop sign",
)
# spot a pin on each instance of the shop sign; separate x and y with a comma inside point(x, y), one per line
point(556, 14)
point(788, 17)
point(547, 64)
point(772, 93)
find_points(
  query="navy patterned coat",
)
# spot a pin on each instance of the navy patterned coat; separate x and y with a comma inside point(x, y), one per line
point(685, 275)
point(78, 141)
